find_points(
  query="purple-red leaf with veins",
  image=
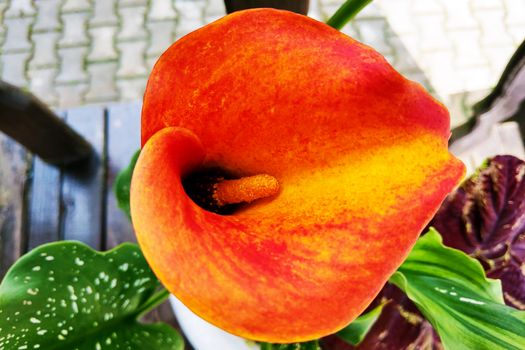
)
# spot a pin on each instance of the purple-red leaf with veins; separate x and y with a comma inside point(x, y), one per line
point(400, 326)
point(485, 218)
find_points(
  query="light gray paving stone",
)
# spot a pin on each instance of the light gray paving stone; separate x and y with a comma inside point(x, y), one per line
point(467, 48)
point(517, 32)
point(187, 26)
point(326, 10)
point(104, 13)
point(212, 18)
point(439, 67)
point(102, 43)
point(215, 8)
point(17, 34)
point(76, 5)
point(372, 10)
point(427, 7)
point(150, 62)
point(162, 35)
point(71, 95)
point(44, 53)
point(486, 4)
point(132, 23)
point(372, 33)
point(3, 7)
point(14, 68)
point(102, 86)
point(190, 15)
point(127, 3)
point(421, 78)
point(47, 15)
point(314, 10)
point(402, 20)
point(132, 89)
point(20, 8)
point(498, 57)
point(403, 61)
point(391, 58)
point(351, 31)
point(475, 77)
point(74, 31)
point(432, 34)
point(493, 30)
point(514, 12)
point(72, 63)
point(459, 14)
point(42, 84)
point(190, 9)
point(132, 60)
point(161, 10)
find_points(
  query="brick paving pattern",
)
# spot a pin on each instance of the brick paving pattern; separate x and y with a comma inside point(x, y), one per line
point(74, 52)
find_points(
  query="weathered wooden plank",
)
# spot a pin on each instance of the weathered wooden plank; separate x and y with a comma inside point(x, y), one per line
point(14, 165)
point(123, 139)
point(32, 124)
point(83, 186)
point(43, 207)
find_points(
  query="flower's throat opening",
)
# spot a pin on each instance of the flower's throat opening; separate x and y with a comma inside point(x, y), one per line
point(219, 192)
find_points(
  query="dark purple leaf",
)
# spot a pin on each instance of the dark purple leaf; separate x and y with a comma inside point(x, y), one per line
point(485, 218)
point(400, 326)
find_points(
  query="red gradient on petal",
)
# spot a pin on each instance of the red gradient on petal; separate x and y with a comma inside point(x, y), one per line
point(360, 154)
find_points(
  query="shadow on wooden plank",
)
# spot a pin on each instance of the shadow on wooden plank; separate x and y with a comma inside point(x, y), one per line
point(43, 213)
point(15, 163)
point(123, 139)
point(83, 186)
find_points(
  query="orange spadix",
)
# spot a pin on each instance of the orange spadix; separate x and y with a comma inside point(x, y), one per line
point(246, 189)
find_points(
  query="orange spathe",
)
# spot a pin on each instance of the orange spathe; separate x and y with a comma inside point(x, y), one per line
point(359, 153)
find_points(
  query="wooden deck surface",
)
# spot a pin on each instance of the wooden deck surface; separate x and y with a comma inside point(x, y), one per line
point(40, 203)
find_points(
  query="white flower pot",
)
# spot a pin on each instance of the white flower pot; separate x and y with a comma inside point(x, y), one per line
point(205, 336)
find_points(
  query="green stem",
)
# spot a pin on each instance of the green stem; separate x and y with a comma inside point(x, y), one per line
point(153, 302)
point(266, 346)
point(346, 12)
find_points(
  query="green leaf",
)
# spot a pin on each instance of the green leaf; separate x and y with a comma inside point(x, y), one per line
point(356, 331)
point(123, 184)
point(451, 290)
point(65, 295)
point(311, 345)
point(346, 12)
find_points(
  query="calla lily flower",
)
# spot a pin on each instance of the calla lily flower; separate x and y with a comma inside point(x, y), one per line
point(339, 160)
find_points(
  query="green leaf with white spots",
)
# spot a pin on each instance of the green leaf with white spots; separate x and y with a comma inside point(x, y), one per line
point(462, 304)
point(65, 295)
point(123, 184)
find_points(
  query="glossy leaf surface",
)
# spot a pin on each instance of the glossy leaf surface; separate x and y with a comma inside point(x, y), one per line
point(123, 184)
point(451, 290)
point(67, 296)
point(356, 331)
